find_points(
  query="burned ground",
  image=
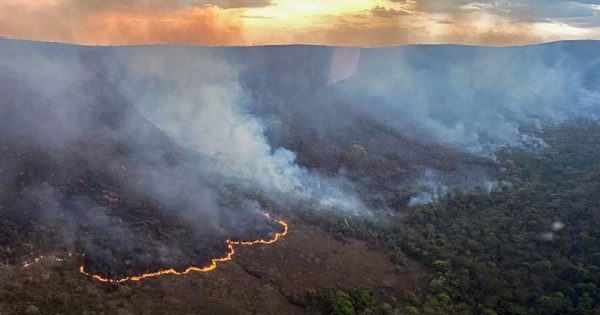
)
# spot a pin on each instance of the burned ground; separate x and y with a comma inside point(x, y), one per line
point(89, 174)
point(62, 201)
point(260, 280)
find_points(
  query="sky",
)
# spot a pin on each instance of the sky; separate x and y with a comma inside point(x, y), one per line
point(361, 23)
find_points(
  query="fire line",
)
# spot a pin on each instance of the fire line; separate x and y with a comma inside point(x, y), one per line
point(212, 266)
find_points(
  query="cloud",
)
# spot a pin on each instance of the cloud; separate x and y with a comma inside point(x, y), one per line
point(581, 13)
point(156, 5)
point(437, 6)
point(112, 23)
point(574, 13)
point(536, 10)
point(241, 3)
point(257, 22)
point(387, 12)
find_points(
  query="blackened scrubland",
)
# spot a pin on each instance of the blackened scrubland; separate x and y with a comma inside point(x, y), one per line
point(83, 171)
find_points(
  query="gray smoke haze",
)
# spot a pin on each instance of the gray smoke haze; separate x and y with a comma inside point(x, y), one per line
point(143, 157)
point(432, 185)
point(79, 161)
point(191, 94)
point(161, 151)
point(194, 95)
point(477, 98)
point(470, 99)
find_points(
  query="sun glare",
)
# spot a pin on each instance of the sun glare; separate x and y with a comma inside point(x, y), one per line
point(306, 11)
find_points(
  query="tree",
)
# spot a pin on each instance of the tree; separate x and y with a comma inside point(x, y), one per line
point(342, 304)
point(585, 302)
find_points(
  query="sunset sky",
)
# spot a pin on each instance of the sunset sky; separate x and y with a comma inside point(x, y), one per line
point(363, 23)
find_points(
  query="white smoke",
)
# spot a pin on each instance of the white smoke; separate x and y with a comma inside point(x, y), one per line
point(430, 189)
point(194, 96)
point(476, 98)
point(432, 186)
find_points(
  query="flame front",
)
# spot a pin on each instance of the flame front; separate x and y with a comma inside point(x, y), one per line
point(212, 266)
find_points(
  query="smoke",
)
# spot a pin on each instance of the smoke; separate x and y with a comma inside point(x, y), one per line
point(153, 156)
point(85, 169)
point(431, 186)
point(476, 98)
point(194, 97)
point(436, 102)
point(429, 189)
point(210, 112)
point(142, 158)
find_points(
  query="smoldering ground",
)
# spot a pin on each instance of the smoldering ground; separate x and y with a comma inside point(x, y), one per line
point(83, 170)
point(140, 158)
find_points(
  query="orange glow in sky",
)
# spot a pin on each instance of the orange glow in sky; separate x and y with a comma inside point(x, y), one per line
point(330, 22)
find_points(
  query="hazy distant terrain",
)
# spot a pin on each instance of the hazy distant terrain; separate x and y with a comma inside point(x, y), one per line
point(466, 169)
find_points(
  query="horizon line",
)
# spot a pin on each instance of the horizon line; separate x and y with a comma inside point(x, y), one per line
point(8, 38)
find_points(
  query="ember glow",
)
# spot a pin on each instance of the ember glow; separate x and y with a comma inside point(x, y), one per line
point(40, 258)
point(212, 266)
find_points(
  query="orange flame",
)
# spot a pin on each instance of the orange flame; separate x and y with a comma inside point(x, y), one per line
point(212, 266)
point(33, 262)
point(38, 259)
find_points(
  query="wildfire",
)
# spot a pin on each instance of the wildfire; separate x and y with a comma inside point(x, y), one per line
point(42, 257)
point(33, 262)
point(212, 266)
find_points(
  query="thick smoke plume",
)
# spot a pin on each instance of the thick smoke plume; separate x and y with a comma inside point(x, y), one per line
point(140, 158)
point(194, 95)
point(438, 101)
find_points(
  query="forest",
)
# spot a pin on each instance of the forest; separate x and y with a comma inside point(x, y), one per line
point(530, 247)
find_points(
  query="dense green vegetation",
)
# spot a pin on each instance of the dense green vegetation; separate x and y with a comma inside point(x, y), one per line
point(532, 247)
point(359, 301)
